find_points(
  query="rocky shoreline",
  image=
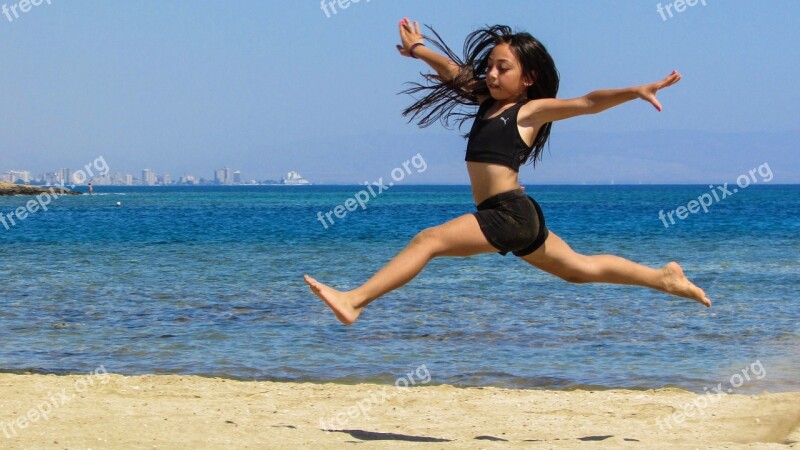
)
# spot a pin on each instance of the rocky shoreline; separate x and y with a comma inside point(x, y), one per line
point(9, 189)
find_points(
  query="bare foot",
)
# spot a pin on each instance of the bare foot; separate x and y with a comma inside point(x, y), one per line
point(336, 301)
point(676, 283)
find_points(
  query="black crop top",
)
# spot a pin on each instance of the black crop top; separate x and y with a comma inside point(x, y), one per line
point(497, 140)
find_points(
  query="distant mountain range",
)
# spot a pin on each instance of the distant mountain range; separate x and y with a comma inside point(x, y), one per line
point(656, 157)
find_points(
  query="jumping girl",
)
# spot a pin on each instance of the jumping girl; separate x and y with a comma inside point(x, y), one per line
point(513, 80)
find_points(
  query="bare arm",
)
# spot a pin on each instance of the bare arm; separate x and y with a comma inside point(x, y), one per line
point(546, 110)
point(410, 35)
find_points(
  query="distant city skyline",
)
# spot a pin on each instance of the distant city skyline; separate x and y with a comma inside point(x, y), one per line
point(66, 176)
point(224, 176)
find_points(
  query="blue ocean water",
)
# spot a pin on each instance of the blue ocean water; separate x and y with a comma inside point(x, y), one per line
point(208, 280)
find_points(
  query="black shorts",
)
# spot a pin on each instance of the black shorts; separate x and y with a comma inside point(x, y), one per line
point(512, 222)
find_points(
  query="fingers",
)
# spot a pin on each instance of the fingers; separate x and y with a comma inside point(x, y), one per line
point(403, 37)
point(402, 27)
point(409, 35)
point(410, 30)
point(654, 101)
point(648, 92)
point(406, 26)
point(672, 78)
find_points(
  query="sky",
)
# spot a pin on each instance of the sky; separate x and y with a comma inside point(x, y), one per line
point(189, 86)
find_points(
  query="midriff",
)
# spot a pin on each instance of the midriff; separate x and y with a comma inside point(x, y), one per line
point(488, 179)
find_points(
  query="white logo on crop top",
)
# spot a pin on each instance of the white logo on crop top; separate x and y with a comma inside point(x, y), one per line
point(504, 120)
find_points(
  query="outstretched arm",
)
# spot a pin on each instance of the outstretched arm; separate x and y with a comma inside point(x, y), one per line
point(410, 35)
point(546, 110)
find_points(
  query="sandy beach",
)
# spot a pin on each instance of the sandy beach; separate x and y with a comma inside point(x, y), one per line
point(100, 410)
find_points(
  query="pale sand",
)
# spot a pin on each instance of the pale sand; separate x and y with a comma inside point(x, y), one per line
point(176, 412)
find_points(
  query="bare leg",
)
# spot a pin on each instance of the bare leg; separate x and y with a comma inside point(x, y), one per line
point(557, 258)
point(459, 237)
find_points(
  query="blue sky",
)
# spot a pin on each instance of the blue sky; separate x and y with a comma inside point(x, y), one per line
point(184, 87)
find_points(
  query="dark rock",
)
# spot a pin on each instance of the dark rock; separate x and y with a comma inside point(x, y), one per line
point(7, 189)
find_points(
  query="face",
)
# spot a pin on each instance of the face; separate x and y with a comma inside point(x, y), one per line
point(504, 75)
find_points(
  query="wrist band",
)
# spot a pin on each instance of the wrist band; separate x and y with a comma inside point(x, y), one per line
point(411, 50)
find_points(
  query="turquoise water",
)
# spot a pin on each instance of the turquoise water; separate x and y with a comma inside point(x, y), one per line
point(209, 281)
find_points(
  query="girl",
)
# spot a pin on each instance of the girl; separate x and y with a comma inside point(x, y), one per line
point(514, 81)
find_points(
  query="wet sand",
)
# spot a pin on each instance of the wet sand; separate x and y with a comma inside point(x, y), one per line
point(170, 412)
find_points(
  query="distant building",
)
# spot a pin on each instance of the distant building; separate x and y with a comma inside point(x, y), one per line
point(223, 176)
point(237, 177)
point(63, 177)
point(50, 178)
point(294, 178)
point(148, 177)
point(188, 179)
point(117, 179)
point(16, 175)
point(100, 180)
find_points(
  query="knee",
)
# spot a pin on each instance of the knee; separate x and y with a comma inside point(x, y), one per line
point(427, 239)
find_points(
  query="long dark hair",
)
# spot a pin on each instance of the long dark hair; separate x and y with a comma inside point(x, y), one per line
point(442, 97)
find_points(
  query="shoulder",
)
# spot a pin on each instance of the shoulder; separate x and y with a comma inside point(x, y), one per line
point(531, 104)
point(533, 110)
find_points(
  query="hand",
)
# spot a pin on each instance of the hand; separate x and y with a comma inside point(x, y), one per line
point(409, 35)
point(647, 92)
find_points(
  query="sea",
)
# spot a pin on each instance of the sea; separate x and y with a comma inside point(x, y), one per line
point(208, 280)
